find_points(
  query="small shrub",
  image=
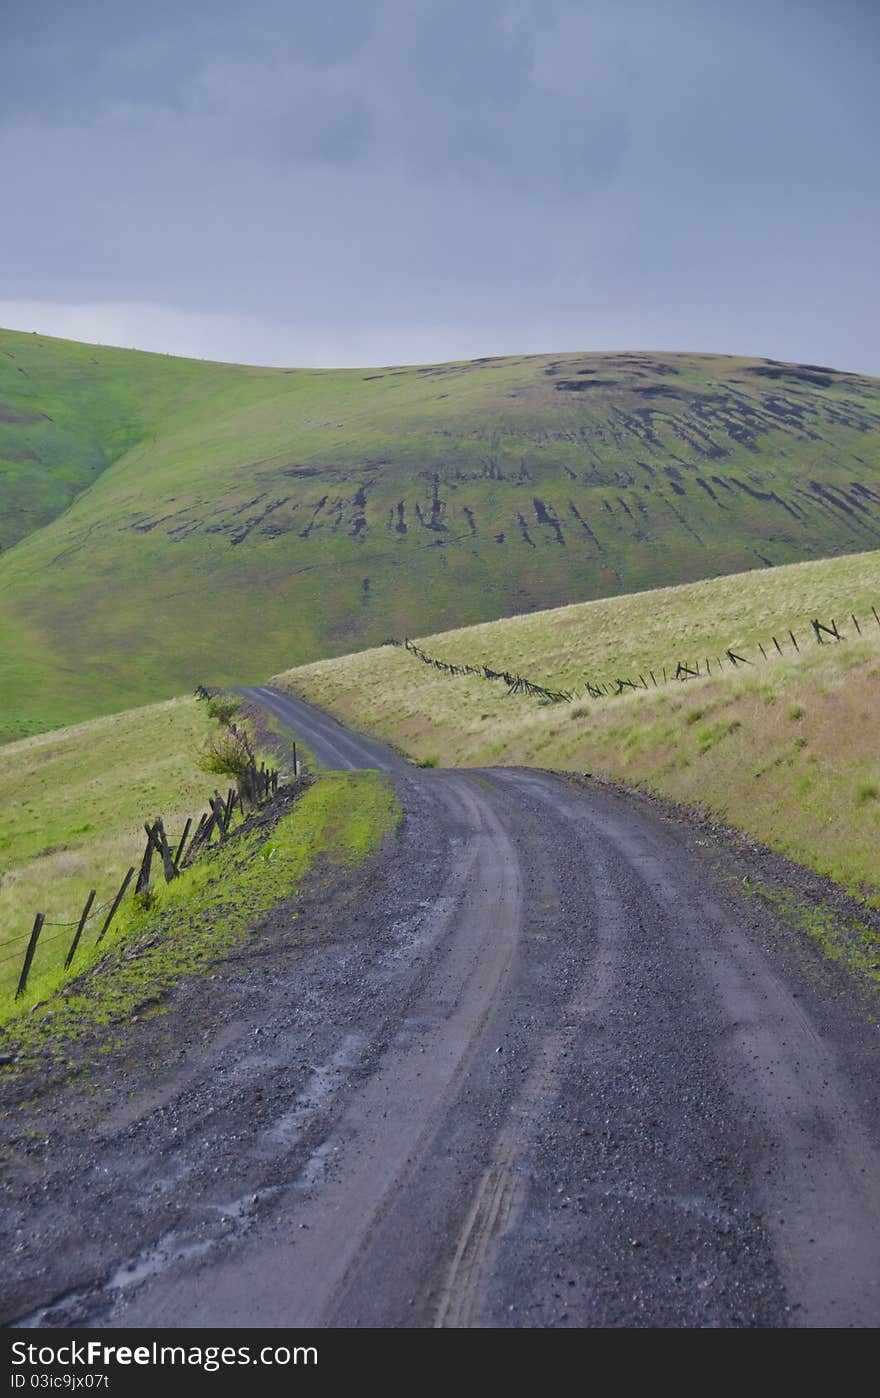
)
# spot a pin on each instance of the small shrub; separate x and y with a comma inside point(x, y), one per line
point(694, 715)
point(866, 792)
point(580, 712)
point(800, 742)
point(226, 754)
point(428, 762)
point(223, 709)
point(795, 712)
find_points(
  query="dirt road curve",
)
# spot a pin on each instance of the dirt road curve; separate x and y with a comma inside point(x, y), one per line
point(540, 1064)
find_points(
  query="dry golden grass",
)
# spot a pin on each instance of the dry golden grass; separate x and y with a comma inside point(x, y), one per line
point(641, 631)
point(787, 750)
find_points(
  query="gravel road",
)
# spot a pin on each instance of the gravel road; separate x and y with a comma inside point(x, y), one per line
point(542, 1062)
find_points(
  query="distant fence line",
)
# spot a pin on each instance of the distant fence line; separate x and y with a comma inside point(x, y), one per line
point(254, 786)
point(516, 684)
point(824, 633)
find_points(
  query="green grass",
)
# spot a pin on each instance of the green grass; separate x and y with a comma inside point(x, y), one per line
point(72, 809)
point(785, 749)
point(69, 410)
point(180, 521)
point(194, 921)
point(848, 941)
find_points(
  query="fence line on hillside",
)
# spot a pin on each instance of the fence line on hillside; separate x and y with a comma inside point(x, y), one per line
point(824, 633)
point(254, 786)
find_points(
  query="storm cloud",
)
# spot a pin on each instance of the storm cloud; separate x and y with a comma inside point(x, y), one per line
point(397, 180)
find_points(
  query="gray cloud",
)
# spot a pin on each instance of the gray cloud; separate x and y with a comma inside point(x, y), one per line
point(688, 175)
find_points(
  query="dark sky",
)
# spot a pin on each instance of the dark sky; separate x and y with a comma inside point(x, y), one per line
point(354, 181)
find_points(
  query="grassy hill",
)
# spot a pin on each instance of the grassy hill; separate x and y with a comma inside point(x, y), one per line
point(72, 807)
point(786, 748)
point(68, 411)
point(181, 521)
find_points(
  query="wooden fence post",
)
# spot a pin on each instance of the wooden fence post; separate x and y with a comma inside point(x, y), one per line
point(79, 931)
point(29, 954)
point(143, 878)
point(218, 808)
point(180, 848)
point(197, 837)
point(162, 845)
point(794, 641)
point(116, 901)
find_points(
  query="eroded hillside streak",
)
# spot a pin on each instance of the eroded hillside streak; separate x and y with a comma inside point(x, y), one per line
point(323, 509)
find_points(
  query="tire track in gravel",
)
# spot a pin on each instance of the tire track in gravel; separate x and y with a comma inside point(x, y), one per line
point(818, 1184)
point(543, 1066)
point(389, 1123)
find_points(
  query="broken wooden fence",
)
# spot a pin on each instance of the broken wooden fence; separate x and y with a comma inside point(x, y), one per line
point(255, 785)
point(824, 632)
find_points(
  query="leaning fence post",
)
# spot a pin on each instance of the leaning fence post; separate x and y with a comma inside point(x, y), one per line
point(79, 931)
point(180, 847)
point(29, 954)
point(197, 838)
point(143, 878)
point(116, 901)
point(162, 845)
point(218, 808)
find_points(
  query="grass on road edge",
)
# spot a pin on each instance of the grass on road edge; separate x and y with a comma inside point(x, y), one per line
point(190, 924)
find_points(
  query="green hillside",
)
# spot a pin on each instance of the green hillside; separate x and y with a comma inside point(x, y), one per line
point(232, 521)
point(67, 411)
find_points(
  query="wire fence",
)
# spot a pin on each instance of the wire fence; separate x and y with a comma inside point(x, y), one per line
point(255, 785)
point(822, 632)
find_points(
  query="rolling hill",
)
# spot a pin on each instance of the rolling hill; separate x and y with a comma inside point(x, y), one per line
point(171, 521)
point(783, 745)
